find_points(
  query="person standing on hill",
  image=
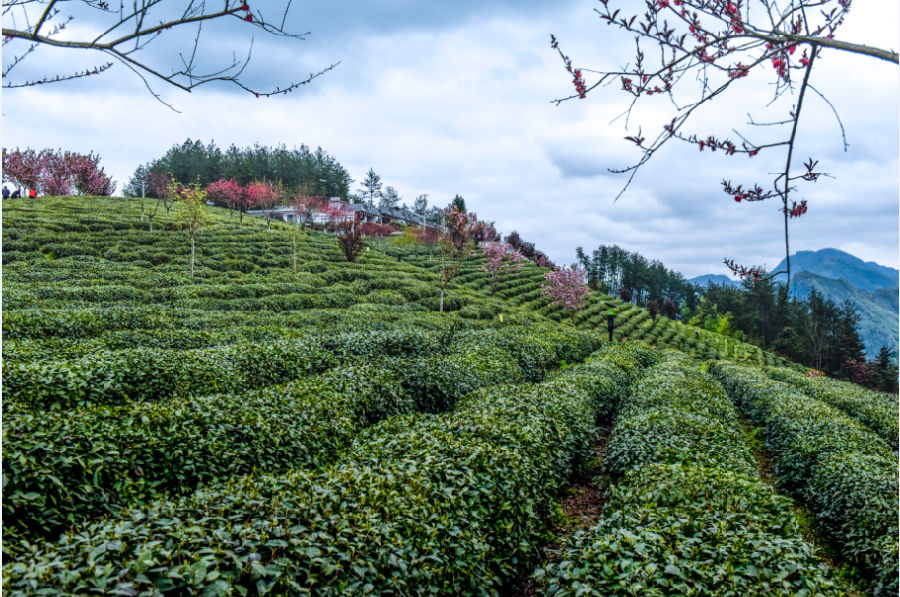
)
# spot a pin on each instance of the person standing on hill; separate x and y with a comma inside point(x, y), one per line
point(32, 194)
point(5, 192)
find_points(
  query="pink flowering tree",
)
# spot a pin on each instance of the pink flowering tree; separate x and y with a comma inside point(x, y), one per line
point(699, 51)
point(24, 168)
point(264, 196)
point(88, 177)
point(57, 172)
point(567, 288)
point(56, 176)
point(501, 260)
point(224, 191)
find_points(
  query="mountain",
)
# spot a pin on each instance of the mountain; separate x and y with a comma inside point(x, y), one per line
point(836, 264)
point(878, 319)
point(840, 276)
point(719, 279)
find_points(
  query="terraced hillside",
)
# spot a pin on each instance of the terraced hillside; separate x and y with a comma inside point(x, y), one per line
point(256, 431)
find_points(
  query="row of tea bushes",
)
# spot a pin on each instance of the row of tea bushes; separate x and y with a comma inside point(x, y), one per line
point(63, 466)
point(843, 471)
point(876, 410)
point(452, 504)
point(116, 376)
point(687, 513)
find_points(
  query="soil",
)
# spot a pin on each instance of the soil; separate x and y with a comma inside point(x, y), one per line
point(582, 504)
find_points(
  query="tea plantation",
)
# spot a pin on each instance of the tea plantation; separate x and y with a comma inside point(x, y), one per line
point(266, 429)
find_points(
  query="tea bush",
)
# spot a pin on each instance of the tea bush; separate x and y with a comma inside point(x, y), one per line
point(844, 472)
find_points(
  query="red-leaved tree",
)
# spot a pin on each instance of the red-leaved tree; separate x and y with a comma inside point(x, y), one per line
point(224, 191)
point(698, 50)
point(264, 196)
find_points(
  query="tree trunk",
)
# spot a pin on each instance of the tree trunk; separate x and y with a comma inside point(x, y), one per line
point(442, 300)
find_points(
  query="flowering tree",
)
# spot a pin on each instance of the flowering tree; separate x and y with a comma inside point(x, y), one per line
point(191, 214)
point(24, 168)
point(122, 34)
point(566, 288)
point(456, 244)
point(224, 191)
point(501, 259)
point(57, 172)
point(705, 48)
point(263, 195)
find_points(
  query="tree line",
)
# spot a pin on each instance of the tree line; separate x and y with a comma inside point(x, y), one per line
point(614, 270)
point(298, 169)
point(813, 331)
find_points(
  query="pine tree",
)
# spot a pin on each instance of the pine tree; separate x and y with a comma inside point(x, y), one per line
point(371, 188)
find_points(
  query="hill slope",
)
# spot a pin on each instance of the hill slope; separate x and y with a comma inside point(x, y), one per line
point(878, 317)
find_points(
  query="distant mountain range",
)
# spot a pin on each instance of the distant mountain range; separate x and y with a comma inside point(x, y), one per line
point(840, 276)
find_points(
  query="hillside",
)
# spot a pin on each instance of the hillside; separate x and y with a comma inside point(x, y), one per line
point(878, 310)
point(256, 431)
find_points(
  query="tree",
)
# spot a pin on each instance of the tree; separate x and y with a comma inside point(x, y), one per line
point(706, 49)
point(566, 288)
point(389, 198)
point(349, 236)
point(55, 172)
point(371, 188)
point(420, 206)
point(456, 245)
point(885, 371)
point(191, 214)
point(501, 259)
point(228, 192)
point(263, 195)
point(459, 204)
point(122, 35)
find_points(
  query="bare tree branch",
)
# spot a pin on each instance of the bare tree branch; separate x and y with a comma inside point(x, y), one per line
point(137, 28)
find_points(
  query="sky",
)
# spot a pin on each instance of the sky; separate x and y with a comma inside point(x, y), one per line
point(445, 98)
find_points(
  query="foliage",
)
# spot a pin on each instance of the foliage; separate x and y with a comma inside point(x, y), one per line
point(191, 214)
point(227, 192)
point(687, 512)
point(300, 169)
point(528, 250)
point(612, 268)
point(879, 412)
point(468, 491)
point(844, 472)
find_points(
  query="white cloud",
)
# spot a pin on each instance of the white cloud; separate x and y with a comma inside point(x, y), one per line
point(463, 105)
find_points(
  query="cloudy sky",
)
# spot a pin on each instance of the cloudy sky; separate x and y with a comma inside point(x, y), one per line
point(444, 98)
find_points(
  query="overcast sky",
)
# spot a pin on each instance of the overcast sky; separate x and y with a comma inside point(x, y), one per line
point(444, 98)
